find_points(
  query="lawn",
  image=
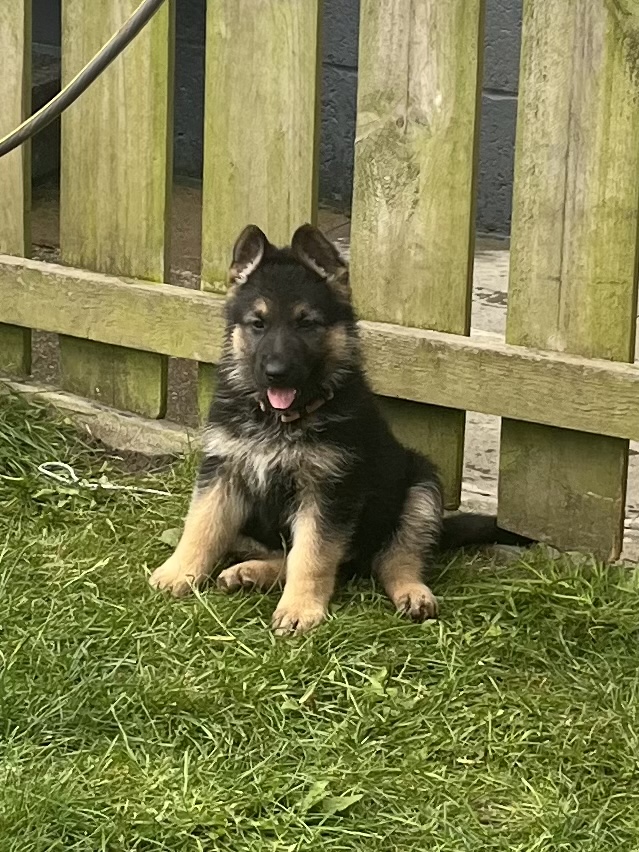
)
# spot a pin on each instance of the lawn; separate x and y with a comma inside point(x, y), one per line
point(131, 722)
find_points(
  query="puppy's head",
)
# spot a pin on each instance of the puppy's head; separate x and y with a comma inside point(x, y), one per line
point(291, 326)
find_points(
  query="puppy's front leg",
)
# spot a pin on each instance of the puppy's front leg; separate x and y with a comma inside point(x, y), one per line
point(311, 570)
point(214, 519)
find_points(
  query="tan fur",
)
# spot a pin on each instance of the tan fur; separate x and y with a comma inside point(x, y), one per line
point(338, 344)
point(261, 308)
point(400, 567)
point(311, 571)
point(318, 254)
point(247, 254)
point(302, 309)
point(400, 573)
point(262, 574)
point(212, 524)
point(419, 526)
point(238, 342)
point(340, 284)
point(256, 463)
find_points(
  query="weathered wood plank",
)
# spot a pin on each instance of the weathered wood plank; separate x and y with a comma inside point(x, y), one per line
point(260, 131)
point(413, 207)
point(15, 168)
point(477, 374)
point(115, 185)
point(573, 281)
point(207, 382)
point(107, 309)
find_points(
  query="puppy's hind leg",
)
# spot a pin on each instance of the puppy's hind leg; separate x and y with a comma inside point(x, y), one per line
point(261, 574)
point(400, 566)
point(254, 566)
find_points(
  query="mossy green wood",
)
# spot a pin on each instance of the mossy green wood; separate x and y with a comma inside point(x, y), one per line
point(573, 281)
point(260, 129)
point(207, 381)
point(479, 373)
point(115, 187)
point(415, 168)
point(15, 168)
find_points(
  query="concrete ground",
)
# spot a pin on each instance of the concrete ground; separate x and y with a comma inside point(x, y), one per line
point(488, 318)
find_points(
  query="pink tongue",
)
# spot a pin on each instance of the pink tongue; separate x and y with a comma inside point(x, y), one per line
point(281, 398)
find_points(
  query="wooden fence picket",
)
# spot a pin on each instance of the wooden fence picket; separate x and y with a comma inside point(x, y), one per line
point(573, 283)
point(116, 175)
point(415, 168)
point(15, 168)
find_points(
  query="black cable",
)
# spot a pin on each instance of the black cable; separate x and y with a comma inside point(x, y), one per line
point(81, 82)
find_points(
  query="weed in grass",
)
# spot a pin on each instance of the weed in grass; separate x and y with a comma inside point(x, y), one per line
point(131, 722)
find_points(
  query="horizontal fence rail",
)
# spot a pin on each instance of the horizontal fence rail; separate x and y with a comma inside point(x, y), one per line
point(471, 373)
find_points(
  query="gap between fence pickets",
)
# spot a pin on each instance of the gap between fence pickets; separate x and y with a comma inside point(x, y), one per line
point(123, 432)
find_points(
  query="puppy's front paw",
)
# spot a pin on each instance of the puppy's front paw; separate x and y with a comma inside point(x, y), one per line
point(417, 603)
point(176, 577)
point(297, 617)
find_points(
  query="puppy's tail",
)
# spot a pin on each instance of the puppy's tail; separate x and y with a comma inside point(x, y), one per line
point(468, 530)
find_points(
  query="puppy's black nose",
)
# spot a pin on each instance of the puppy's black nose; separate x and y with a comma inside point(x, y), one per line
point(275, 369)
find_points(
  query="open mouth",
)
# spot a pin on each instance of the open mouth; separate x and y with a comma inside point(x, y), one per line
point(281, 398)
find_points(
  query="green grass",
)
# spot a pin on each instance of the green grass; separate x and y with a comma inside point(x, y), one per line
point(130, 722)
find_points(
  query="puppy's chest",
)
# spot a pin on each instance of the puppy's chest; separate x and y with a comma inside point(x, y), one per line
point(289, 468)
point(278, 466)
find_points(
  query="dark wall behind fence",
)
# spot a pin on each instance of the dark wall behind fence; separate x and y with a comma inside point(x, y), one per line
point(503, 29)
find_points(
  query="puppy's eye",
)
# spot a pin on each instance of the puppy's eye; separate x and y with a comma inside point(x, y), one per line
point(257, 324)
point(308, 323)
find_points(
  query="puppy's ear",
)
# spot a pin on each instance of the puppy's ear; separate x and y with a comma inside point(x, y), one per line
point(310, 247)
point(248, 253)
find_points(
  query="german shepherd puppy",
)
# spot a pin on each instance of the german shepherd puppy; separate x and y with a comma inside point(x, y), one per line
point(301, 477)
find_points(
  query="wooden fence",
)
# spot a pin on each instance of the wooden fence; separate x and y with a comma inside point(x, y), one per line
point(563, 381)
